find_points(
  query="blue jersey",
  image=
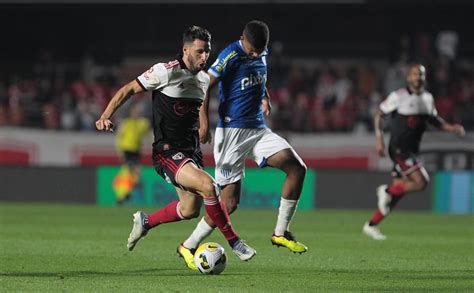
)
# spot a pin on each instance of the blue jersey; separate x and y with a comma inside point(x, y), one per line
point(241, 87)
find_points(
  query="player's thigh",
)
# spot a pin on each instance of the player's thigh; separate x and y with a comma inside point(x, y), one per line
point(195, 180)
point(190, 203)
point(231, 147)
point(419, 176)
point(273, 150)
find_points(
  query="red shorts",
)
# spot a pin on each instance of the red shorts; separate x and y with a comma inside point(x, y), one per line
point(168, 163)
point(404, 165)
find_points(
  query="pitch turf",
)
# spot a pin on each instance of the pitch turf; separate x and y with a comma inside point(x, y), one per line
point(83, 248)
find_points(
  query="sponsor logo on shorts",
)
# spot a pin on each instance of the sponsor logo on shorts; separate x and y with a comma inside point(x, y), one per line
point(178, 156)
point(226, 172)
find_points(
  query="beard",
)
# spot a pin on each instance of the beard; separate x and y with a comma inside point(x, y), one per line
point(194, 64)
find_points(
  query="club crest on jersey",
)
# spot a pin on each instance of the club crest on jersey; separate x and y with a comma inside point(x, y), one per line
point(178, 156)
point(252, 80)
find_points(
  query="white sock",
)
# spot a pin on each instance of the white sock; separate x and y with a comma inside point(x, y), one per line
point(201, 231)
point(285, 214)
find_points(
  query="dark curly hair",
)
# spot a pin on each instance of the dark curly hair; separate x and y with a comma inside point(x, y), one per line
point(196, 33)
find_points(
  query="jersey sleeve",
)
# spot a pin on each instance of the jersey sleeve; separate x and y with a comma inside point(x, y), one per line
point(434, 112)
point(391, 103)
point(434, 119)
point(154, 78)
point(223, 62)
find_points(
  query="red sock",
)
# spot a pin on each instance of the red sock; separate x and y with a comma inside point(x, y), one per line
point(220, 217)
point(168, 214)
point(376, 218)
point(396, 189)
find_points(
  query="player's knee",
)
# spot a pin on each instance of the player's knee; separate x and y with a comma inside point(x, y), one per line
point(422, 185)
point(190, 213)
point(231, 205)
point(299, 169)
point(207, 188)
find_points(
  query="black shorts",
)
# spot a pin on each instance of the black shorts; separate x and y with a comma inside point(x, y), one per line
point(131, 158)
point(168, 163)
point(404, 163)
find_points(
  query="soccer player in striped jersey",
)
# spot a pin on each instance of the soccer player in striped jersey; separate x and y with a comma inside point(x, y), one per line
point(241, 71)
point(178, 89)
point(411, 109)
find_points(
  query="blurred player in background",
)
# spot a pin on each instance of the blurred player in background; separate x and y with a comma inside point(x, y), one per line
point(241, 71)
point(178, 89)
point(411, 109)
point(131, 132)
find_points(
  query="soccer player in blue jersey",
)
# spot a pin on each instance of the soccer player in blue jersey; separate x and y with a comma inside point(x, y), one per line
point(241, 71)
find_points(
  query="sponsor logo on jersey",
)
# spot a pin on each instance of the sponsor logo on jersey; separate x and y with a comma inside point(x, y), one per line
point(219, 65)
point(253, 80)
point(147, 73)
point(178, 156)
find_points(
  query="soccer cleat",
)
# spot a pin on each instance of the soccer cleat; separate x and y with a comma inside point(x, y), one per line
point(188, 255)
point(373, 232)
point(243, 250)
point(288, 240)
point(138, 230)
point(383, 199)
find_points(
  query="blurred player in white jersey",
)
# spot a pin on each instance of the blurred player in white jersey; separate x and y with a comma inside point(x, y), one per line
point(178, 89)
point(241, 71)
point(411, 109)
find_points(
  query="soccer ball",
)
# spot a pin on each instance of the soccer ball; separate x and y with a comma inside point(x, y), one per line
point(210, 258)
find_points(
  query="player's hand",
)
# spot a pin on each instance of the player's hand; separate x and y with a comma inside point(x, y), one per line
point(380, 147)
point(266, 107)
point(459, 129)
point(104, 124)
point(204, 135)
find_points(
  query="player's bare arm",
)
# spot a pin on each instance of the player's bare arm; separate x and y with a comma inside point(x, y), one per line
point(455, 128)
point(379, 143)
point(440, 123)
point(120, 97)
point(204, 132)
point(266, 104)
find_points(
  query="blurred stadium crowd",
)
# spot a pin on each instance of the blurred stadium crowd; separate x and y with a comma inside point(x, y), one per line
point(308, 95)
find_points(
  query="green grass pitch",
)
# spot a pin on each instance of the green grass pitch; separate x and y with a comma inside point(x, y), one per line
point(46, 248)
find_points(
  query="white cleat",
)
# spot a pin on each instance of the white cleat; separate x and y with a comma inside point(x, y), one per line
point(373, 232)
point(384, 199)
point(243, 250)
point(138, 230)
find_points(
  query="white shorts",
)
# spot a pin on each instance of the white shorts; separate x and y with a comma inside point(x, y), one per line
point(233, 145)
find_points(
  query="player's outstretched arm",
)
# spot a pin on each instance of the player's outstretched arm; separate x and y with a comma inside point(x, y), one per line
point(120, 97)
point(204, 131)
point(455, 128)
point(379, 143)
point(440, 123)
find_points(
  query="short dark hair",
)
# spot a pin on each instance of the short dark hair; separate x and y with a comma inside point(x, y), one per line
point(196, 33)
point(257, 33)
